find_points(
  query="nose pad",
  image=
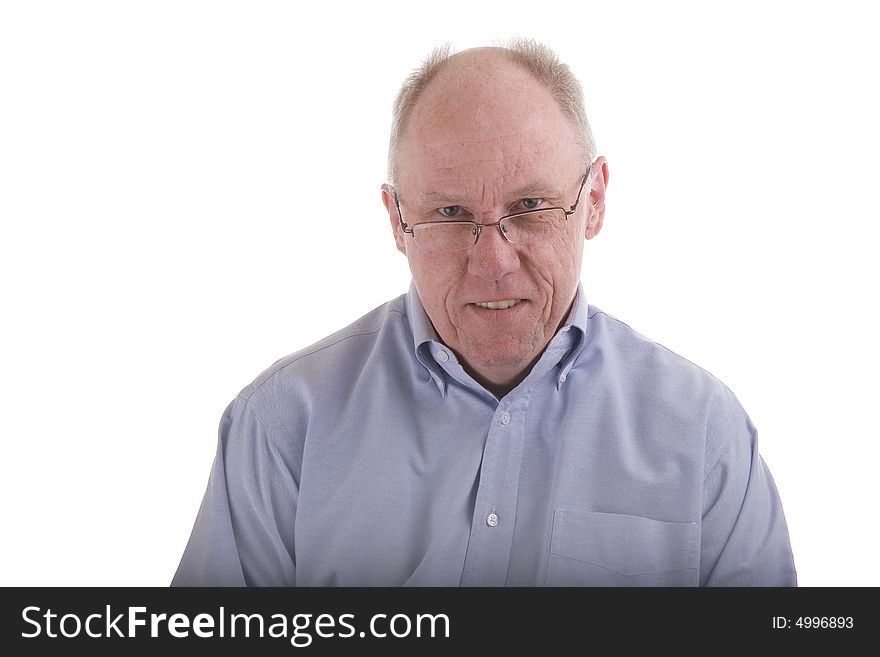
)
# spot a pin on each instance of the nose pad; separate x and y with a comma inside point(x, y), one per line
point(491, 259)
point(502, 228)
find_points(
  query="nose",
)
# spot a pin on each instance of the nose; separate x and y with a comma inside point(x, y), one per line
point(492, 257)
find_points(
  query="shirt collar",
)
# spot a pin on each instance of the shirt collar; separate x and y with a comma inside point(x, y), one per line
point(422, 329)
point(571, 336)
point(426, 342)
point(569, 340)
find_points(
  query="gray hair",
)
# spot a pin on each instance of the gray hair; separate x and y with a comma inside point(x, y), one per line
point(528, 54)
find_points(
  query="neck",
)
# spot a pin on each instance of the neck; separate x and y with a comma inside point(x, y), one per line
point(500, 386)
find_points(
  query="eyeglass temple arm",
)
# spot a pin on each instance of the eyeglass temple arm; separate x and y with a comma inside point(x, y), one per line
point(406, 229)
point(574, 206)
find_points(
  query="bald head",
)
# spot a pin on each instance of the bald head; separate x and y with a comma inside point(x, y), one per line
point(470, 85)
point(466, 82)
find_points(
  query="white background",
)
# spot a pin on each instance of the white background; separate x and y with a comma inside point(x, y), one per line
point(190, 190)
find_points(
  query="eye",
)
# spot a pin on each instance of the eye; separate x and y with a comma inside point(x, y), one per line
point(450, 211)
point(530, 203)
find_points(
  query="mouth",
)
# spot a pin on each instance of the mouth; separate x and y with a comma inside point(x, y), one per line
point(502, 304)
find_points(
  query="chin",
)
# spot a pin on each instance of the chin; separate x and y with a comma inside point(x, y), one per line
point(510, 360)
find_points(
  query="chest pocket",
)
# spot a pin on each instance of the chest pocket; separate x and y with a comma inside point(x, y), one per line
point(611, 549)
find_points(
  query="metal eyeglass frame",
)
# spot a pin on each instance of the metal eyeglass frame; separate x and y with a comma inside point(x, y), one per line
point(478, 227)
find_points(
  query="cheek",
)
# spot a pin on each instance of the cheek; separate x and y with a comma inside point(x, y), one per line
point(558, 260)
point(435, 277)
point(569, 249)
point(559, 266)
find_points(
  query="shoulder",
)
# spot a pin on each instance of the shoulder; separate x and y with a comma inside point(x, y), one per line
point(654, 376)
point(340, 353)
point(611, 338)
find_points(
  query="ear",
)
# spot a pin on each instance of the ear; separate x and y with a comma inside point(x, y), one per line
point(393, 216)
point(596, 197)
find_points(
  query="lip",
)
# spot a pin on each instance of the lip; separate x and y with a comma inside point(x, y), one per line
point(507, 302)
point(498, 314)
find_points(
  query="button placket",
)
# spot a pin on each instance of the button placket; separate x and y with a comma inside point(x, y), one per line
point(491, 541)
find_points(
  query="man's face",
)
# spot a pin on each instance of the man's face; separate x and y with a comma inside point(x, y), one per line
point(485, 140)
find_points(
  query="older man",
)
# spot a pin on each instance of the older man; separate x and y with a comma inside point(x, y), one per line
point(489, 427)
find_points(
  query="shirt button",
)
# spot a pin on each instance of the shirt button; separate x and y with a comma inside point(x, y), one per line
point(505, 418)
point(492, 519)
point(562, 378)
point(442, 356)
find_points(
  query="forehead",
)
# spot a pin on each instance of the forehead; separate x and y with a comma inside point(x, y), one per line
point(486, 120)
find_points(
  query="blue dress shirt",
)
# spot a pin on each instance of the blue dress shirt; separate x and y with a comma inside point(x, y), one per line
point(373, 459)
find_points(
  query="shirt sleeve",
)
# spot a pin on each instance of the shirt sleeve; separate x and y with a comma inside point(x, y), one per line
point(243, 534)
point(745, 539)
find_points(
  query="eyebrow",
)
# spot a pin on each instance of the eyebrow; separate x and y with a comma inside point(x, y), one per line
point(532, 190)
